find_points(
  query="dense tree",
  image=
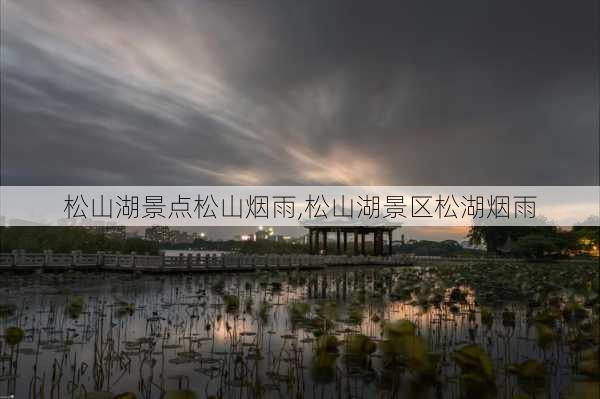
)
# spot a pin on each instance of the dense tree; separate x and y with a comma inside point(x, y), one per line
point(435, 248)
point(528, 240)
point(66, 239)
point(538, 245)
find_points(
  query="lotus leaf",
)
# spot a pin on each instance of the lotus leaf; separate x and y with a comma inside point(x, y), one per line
point(473, 360)
point(13, 335)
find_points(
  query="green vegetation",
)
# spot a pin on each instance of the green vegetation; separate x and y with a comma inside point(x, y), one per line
point(529, 242)
point(477, 378)
point(13, 335)
point(66, 239)
point(232, 303)
point(435, 248)
point(536, 241)
point(479, 329)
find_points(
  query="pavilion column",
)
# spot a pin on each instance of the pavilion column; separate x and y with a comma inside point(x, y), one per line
point(317, 242)
point(337, 241)
point(310, 241)
point(375, 243)
point(325, 242)
point(390, 242)
point(355, 242)
point(345, 241)
point(362, 244)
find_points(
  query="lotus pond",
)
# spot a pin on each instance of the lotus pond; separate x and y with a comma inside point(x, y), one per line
point(513, 330)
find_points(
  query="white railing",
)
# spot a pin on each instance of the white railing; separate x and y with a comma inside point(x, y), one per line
point(117, 261)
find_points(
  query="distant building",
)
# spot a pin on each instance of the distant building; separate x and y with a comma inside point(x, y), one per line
point(280, 237)
point(196, 235)
point(133, 234)
point(111, 232)
point(263, 234)
point(268, 234)
point(158, 233)
point(244, 237)
point(180, 237)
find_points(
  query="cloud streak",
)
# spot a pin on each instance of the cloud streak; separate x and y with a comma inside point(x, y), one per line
point(145, 93)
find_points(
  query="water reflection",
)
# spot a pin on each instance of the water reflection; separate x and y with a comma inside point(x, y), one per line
point(299, 334)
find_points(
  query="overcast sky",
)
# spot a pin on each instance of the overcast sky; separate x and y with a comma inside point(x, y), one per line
point(289, 92)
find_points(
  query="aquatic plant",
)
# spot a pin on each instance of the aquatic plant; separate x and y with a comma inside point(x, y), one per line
point(75, 307)
point(359, 345)
point(322, 368)
point(185, 333)
point(477, 378)
point(296, 279)
point(248, 303)
point(531, 370)
point(589, 362)
point(13, 335)
point(232, 303)
point(487, 317)
point(328, 310)
point(411, 351)
point(327, 343)
point(298, 310)
point(546, 335)
point(181, 394)
point(125, 309)
point(399, 328)
point(574, 310)
point(218, 287)
point(546, 317)
point(582, 390)
point(7, 310)
point(95, 395)
point(263, 311)
point(355, 314)
point(457, 295)
point(125, 395)
point(509, 318)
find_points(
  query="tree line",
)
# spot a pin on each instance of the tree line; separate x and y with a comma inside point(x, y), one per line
point(528, 241)
point(66, 239)
point(536, 241)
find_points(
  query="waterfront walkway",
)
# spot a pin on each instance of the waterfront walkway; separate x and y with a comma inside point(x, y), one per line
point(22, 261)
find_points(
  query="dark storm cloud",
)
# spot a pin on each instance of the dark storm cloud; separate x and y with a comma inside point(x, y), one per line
point(280, 92)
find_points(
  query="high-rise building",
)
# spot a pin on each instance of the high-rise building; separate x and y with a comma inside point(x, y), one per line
point(180, 237)
point(196, 235)
point(244, 237)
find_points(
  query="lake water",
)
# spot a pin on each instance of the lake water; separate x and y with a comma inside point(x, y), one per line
point(325, 334)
